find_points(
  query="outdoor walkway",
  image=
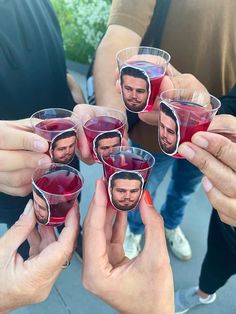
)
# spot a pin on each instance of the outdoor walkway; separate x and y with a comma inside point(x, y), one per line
point(68, 295)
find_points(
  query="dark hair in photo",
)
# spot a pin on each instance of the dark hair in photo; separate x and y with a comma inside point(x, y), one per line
point(127, 175)
point(134, 72)
point(105, 135)
point(169, 112)
point(61, 136)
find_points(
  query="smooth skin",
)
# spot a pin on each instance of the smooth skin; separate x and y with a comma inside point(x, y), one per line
point(27, 282)
point(215, 156)
point(21, 151)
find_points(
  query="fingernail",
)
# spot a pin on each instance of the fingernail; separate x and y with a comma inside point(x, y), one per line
point(148, 198)
point(44, 161)
point(207, 185)
point(200, 141)
point(40, 146)
point(185, 151)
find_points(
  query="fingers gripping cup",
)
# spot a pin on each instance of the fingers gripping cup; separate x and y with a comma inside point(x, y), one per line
point(182, 113)
point(59, 127)
point(126, 170)
point(141, 72)
point(104, 128)
point(55, 190)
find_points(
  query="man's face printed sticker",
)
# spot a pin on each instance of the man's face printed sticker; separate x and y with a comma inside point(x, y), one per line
point(104, 142)
point(135, 88)
point(125, 189)
point(168, 129)
point(41, 206)
point(63, 146)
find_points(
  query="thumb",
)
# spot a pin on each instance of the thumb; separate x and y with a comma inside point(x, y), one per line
point(154, 231)
point(19, 232)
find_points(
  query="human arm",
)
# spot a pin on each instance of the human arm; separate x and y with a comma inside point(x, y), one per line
point(116, 37)
point(20, 152)
point(141, 285)
point(27, 282)
point(75, 89)
point(128, 22)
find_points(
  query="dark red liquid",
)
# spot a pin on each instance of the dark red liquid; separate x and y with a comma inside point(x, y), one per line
point(63, 183)
point(156, 74)
point(126, 161)
point(50, 128)
point(193, 118)
point(99, 124)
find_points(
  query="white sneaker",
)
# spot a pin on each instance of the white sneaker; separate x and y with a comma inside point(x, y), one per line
point(185, 299)
point(132, 243)
point(178, 243)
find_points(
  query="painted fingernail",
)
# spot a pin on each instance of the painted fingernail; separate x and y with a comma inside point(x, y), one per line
point(148, 198)
point(200, 141)
point(185, 151)
point(207, 185)
point(40, 146)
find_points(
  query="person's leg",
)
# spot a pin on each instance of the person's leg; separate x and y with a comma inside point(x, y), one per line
point(220, 260)
point(160, 168)
point(218, 266)
point(135, 228)
point(185, 180)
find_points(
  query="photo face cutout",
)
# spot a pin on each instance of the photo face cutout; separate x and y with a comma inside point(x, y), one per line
point(104, 142)
point(135, 88)
point(168, 129)
point(41, 206)
point(125, 189)
point(62, 148)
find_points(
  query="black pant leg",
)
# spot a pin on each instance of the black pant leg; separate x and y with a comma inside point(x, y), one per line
point(220, 260)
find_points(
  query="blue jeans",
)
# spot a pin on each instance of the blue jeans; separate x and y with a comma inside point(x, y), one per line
point(185, 180)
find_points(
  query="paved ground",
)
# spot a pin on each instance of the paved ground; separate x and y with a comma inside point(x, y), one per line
point(68, 295)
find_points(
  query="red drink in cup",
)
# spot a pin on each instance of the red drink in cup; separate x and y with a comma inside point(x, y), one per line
point(141, 72)
point(183, 113)
point(59, 128)
point(155, 73)
point(126, 170)
point(55, 191)
point(104, 129)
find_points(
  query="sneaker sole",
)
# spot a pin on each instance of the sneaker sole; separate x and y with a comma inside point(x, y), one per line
point(180, 257)
point(203, 303)
point(182, 312)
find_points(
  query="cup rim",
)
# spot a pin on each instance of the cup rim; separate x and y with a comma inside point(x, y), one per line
point(57, 108)
point(193, 90)
point(144, 47)
point(128, 147)
point(109, 108)
point(59, 165)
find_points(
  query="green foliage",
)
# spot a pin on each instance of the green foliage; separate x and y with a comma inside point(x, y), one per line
point(83, 23)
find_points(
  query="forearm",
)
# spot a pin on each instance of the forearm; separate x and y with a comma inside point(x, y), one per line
point(105, 67)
